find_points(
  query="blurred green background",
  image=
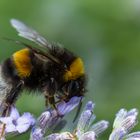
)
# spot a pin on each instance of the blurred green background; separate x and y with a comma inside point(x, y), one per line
point(106, 34)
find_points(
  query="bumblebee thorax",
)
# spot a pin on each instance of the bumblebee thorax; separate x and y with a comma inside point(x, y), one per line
point(75, 70)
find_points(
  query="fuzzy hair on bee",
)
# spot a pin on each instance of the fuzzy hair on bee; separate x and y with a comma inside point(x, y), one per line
point(54, 71)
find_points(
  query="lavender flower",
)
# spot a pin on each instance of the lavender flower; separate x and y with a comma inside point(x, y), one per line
point(51, 117)
point(61, 136)
point(36, 134)
point(123, 124)
point(17, 123)
point(85, 130)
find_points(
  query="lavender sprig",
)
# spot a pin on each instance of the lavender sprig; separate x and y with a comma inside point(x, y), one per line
point(85, 130)
point(16, 123)
point(61, 136)
point(123, 124)
point(51, 117)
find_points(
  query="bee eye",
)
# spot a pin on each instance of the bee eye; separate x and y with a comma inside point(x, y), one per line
point(77, 85)
point(65, 66)
point(73, 86)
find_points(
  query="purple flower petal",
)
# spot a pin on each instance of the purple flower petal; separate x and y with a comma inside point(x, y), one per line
point(6, 120)
point(89, 106)
point(36, 134)
point(53, 121)
point(99, 127)
point(132, 112)
point(83, 122)
point(44, 119)
point(88, 136)
point(10, 128)
point(60, 136)
point(117, 134)
point(133, 136)
point(14, 113)
point(24, 122)
point(65, 107)
point(16, 123)
point(53, 136)
point(129, 123)
point(120, 116)
point(29, 117)
point(23, 128)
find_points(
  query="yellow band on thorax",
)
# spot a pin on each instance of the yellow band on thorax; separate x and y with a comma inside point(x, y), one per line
point(75, 71)
point(22, 62)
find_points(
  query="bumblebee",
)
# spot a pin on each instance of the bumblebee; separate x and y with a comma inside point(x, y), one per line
point(54, 71)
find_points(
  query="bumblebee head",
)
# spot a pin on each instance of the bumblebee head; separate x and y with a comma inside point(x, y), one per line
point(74, 79)
point(74, 87)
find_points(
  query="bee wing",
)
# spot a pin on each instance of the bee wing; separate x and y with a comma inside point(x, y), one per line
point(32, 35)
point(29, 33)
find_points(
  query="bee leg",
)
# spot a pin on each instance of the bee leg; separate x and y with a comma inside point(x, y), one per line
point(51, 100)
point(10, 99)
point(12, 96)
point(6, 109)
point(50, 90)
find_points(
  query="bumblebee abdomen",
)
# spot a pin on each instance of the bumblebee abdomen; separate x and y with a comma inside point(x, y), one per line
point(5, 86)
point(22, 62)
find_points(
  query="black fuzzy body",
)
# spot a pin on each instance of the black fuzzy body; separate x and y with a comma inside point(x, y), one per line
point(46, 77)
